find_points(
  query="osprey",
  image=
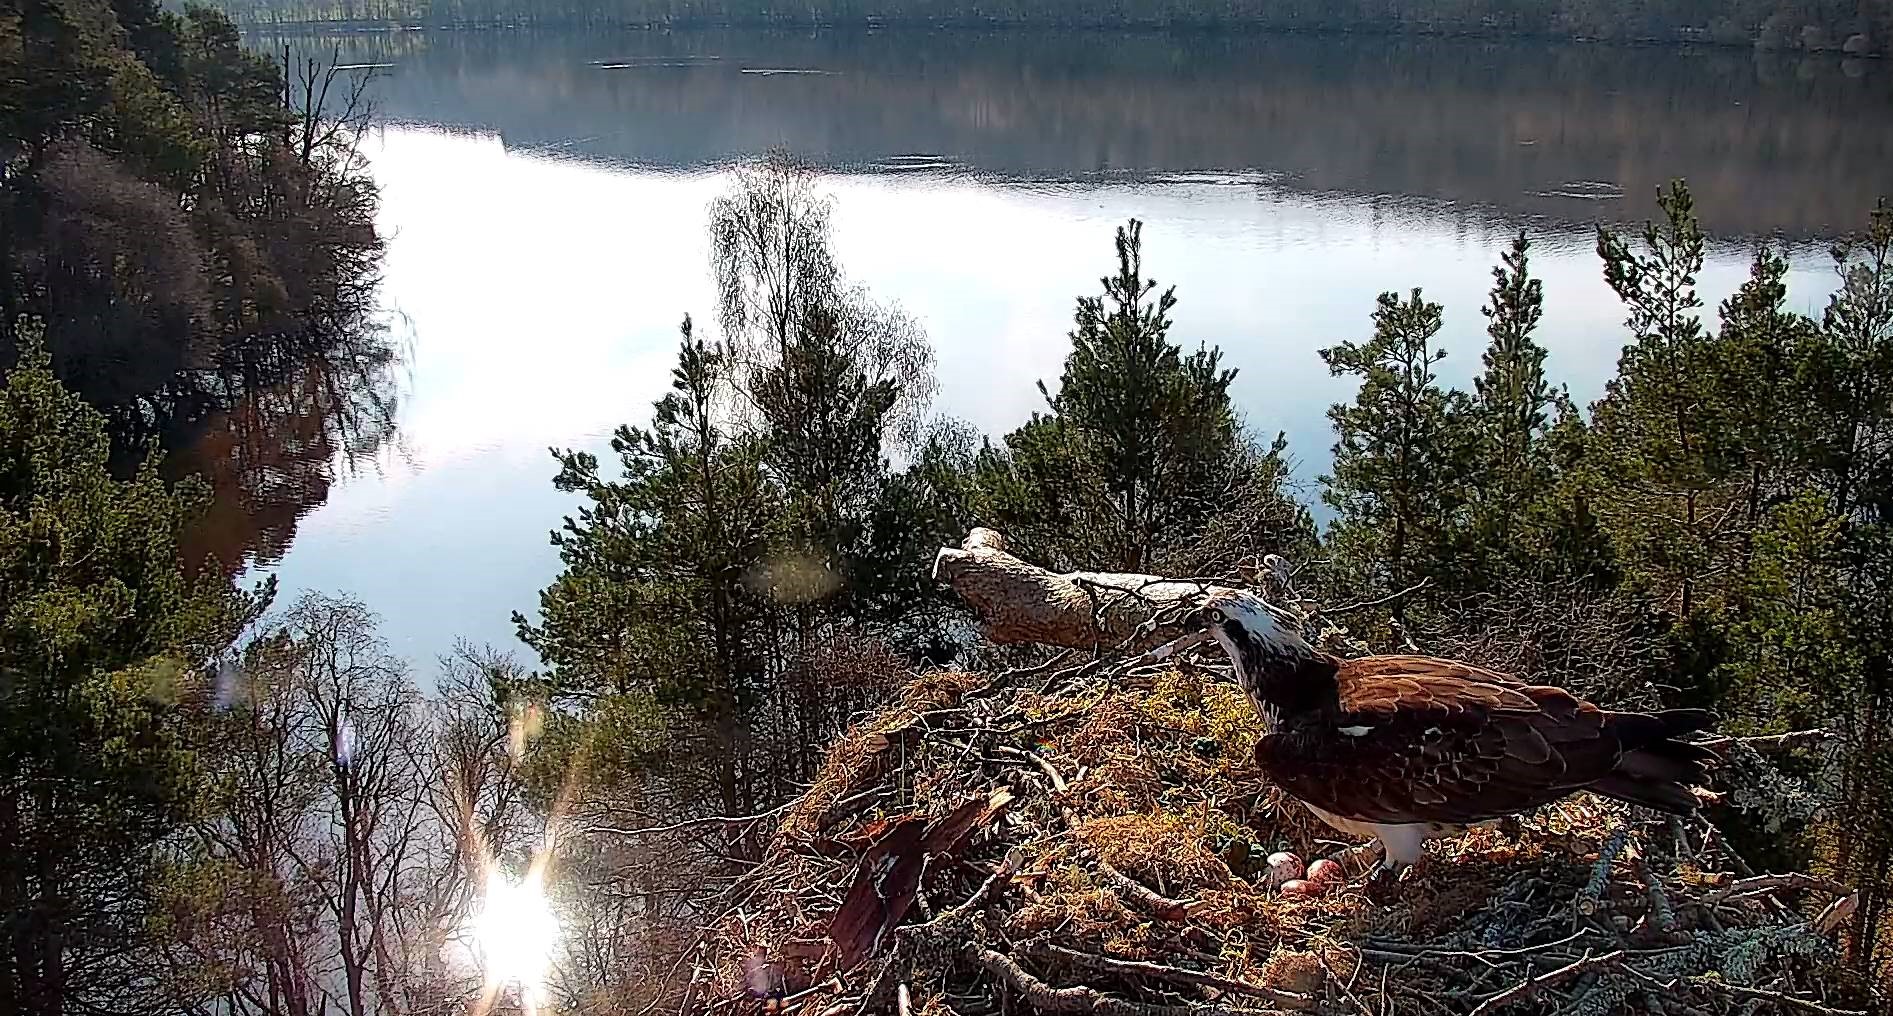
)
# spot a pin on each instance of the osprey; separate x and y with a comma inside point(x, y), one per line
point(1410, 748)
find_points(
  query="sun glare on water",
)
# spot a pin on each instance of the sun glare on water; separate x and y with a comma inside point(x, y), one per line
point(515, 933)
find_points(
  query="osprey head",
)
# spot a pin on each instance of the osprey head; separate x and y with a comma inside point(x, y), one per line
point(1264, 644)
point(1256, 635)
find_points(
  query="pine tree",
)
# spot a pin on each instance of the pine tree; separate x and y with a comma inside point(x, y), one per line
point(1656, 489)
point(1852, 383)
point(102, 643)
point(1764, 356)
point(1398, 484)
point(1512, 403)
point(1140, 447)
point(668, 579)
point(1852, 393)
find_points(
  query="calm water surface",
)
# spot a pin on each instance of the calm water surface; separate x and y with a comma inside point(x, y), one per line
point(544, 202)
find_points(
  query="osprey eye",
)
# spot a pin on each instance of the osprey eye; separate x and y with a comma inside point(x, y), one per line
point(1214, 615)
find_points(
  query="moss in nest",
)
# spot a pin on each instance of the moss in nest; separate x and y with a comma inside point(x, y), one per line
point(1073, 905)
point(1122, 784)
point(1142, 940)
point(1239, 906)
point(936, 688)
point(1293, 970)
point(1175, 702)
point(1166, 851)
point(1231, 719)
point(1199, 708)
point(1108, 729)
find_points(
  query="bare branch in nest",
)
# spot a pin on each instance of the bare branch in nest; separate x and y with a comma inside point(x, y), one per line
point(1081, 998)
point(1781, 1000)
point(1020, 602)
point(1349, 608)
point(1794, 740)
point(1533, 985)
point(1837, 914)
point(1142, 896)
point(1783, 880)
point(1051, 771)
point(1162, 972)
point(991, 889)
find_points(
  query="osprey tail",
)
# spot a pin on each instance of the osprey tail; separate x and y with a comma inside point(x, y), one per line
point(1657, 770)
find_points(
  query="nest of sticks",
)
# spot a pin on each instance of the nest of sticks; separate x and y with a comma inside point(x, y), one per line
point(1090, 839)
point(1088, 835)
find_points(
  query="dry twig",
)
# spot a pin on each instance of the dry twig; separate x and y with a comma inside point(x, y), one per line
point(1533, 985)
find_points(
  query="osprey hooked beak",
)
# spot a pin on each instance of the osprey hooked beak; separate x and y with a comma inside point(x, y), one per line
point(1201, 619)
point(1253, 618)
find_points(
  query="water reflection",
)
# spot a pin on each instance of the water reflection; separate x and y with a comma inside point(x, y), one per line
point(1770, 144)
point(274, 456)
point(543, 198)
point(544, 295)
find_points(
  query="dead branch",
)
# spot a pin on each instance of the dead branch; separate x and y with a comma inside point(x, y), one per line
point(1351, 607)
point(1079, 999)
point(1533, 985)
point(988, 890)
point(1142, 896)
point(1051, 771)
point(1020, 602)
point(1793, 740)
point(1162, 972)
point(1782, 880)
point(1716, 984)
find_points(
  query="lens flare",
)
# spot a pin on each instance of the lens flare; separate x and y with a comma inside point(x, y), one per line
point(515, 934)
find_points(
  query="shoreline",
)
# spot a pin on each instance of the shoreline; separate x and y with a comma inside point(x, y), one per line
point(1690, 42)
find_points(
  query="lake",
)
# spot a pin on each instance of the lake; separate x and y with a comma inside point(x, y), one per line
point(543, 199)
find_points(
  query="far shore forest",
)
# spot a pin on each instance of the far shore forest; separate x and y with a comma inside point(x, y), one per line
point(214, 802)
point(1853, 27)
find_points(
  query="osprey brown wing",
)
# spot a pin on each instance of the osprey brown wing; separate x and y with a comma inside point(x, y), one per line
point(1423, 740)
point(1366, 667)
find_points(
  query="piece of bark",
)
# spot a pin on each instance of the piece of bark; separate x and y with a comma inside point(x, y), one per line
point(1020, 602)
point(889, 874)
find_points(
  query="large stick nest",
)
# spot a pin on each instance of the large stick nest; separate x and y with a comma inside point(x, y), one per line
point(1088, 836)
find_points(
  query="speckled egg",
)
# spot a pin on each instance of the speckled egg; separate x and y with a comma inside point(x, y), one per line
point(1283, 866)
point(1328, 871)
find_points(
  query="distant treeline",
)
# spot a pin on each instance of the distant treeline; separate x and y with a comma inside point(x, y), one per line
point(1852, 26)
point(1780, 144)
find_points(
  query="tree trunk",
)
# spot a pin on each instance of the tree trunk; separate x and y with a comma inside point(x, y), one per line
point(1020, 602)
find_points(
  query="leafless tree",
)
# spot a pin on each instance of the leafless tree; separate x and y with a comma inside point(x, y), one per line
point(776, 274)
point(329, 105)
point(305, 891)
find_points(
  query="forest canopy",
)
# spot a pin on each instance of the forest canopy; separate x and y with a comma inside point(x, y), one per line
point(180, 213)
